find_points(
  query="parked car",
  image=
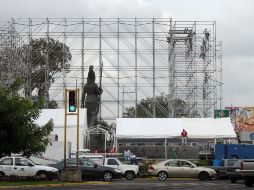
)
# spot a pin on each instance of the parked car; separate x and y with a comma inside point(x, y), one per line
point(91, 170)
point(24, 167)
point(180, 168)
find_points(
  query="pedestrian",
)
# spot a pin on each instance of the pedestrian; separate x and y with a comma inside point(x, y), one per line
point(95, 151)
point(174, 154)
point(113, 150)
point(106, 152)
point(133, 159)
point(126, 154)
point(184, 137)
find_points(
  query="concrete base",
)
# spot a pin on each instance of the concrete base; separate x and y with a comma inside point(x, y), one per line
point(72, 174)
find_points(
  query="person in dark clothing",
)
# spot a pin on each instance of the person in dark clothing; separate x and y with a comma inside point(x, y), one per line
point(133, 159)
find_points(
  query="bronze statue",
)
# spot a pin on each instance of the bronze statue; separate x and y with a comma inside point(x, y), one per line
point(91, 98)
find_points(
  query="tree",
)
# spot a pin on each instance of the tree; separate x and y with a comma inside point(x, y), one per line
point(18, 131)
point(52, 104)
point(145, 108)
point(40, 53)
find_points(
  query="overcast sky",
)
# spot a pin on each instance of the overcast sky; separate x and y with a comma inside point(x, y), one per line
point(234, 22)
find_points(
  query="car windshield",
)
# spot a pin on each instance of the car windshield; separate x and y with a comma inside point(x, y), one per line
point(119, 162)
point(92, 162)
point(237, 164)
point(33, 162)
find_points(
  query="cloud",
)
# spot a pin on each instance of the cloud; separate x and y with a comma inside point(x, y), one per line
point(234, 26)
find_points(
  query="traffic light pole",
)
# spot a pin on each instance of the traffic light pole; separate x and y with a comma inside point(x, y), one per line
point(78, 103)
point(66, 114)
point(65, 124)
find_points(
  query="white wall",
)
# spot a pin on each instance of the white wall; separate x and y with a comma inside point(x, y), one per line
point(55, 150)
point(58, 118)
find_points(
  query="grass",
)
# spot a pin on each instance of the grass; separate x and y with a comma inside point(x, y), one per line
point(21, 183)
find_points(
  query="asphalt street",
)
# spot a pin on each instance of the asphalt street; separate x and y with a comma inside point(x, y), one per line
point(151, 184)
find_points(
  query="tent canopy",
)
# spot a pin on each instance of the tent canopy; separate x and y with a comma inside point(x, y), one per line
point(145, 128)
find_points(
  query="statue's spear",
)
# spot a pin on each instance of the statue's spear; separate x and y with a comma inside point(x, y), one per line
point(101, 67)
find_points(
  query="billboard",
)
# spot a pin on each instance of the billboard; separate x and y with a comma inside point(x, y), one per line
point(242, 118)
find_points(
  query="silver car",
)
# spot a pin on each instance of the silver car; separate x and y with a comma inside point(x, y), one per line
point(180, 168)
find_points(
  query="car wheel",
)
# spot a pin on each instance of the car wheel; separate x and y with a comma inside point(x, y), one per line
point(107, 176)
point(42, 175)
point(129, 175)
point(162, 175)
point(2, 175)
point(248, 182)
point(203, 176)
point(233, 179)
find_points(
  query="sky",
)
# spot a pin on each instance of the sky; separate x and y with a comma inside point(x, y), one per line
point(234, 26)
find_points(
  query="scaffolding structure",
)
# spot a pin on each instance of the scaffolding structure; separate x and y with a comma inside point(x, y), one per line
point(195, 72)
point(142, 57)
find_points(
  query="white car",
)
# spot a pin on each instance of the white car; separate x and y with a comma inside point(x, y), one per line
point(20, 166)
point(180, 168)
point(129, 171)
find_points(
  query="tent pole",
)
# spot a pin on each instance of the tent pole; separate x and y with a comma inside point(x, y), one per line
point(116, 144)
point(166, 148)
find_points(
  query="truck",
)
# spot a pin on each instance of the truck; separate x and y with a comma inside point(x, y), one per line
point(129, 171)
point(247, 172)
point(226, 155)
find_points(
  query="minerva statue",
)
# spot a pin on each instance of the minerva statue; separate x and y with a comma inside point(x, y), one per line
point(91, 98)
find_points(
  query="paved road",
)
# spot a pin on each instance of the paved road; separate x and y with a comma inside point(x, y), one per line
point(151, 184)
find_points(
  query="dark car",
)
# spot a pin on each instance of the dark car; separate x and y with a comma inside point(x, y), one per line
point(90, 169)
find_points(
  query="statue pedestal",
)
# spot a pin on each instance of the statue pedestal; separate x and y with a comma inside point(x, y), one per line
point(71, 174)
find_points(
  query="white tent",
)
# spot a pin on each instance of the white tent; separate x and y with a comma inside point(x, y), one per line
point(146, 128)
point(58, 118)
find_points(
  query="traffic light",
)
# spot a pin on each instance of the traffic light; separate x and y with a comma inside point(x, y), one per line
point(72, 101)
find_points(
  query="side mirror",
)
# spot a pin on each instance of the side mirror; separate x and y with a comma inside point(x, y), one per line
point(192, 166)
point(30, 165)
point(95, 166)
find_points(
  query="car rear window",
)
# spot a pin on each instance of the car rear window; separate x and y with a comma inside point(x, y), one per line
point(112, 162)
point(6, 161)
point(173, 163)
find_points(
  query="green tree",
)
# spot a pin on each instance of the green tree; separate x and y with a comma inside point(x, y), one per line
point(18, 131)
point(145, 108)
point(39, 53)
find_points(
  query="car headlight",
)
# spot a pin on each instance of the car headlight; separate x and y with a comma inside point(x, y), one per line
point(54, 170)
point(117, 170)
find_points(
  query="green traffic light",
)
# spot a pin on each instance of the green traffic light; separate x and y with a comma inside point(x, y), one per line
point(72, 108)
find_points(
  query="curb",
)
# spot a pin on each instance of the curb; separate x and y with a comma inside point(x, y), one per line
point(56, 185)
